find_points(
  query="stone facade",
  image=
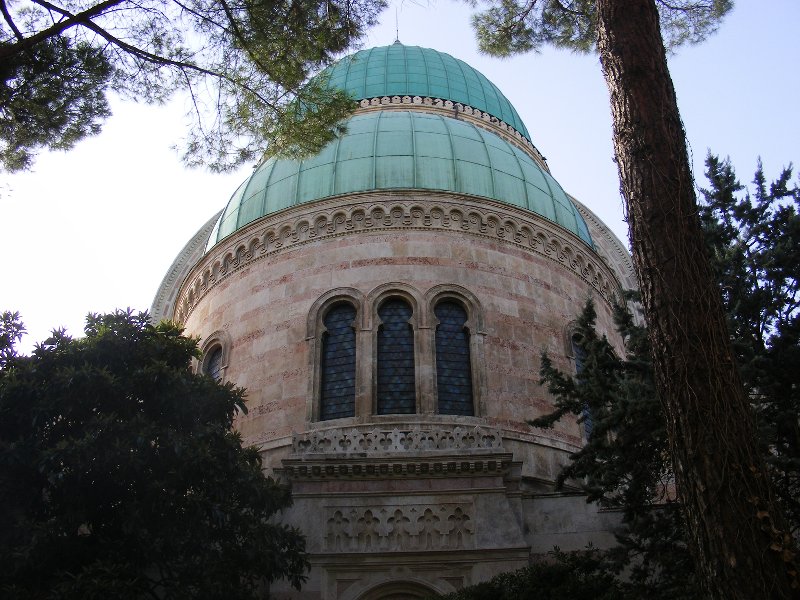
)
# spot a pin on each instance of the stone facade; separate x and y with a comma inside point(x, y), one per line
point(407, 505)
point(379, 486)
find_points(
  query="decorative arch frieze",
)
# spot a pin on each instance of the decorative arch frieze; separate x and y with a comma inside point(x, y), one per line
point(371, 212)
point(400, 528)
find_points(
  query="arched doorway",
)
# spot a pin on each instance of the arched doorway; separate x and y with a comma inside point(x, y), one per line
point(399, 590)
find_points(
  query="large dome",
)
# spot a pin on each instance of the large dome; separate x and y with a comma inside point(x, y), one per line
point(403, 150)
point(426, 121)
point(399, 70)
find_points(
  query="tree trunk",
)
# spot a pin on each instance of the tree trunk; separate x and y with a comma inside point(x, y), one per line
point(741, 545)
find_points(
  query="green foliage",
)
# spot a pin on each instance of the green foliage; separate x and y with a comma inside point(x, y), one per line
point(121, 478)
point(625, 462)
point(243, 63)
point(11, 332)
point(507, 27)
point(51, 96)
point(577, 576)
point(754, 241)
point(622, 461)
point(510, 27)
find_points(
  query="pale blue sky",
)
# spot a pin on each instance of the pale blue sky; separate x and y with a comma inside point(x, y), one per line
point(96, 228)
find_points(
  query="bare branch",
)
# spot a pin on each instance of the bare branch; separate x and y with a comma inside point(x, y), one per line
point(81, 18)
point(200, 16)
point(148, 56)
point(10, 21)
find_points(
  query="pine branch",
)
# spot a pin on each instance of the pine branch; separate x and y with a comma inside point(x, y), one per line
point(72, 20)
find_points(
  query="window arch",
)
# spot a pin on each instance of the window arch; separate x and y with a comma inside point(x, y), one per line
point(453, 365)
point(213, 364)
point(396, 374)
point(338, 363)
point(216, 350)
point(456, 343)
point(335, 336)
point(388, 351)
point(579, 355)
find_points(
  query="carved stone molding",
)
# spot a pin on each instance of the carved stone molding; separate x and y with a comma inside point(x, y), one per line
point(396, 440)
point(394, 211)
point(164, 301)
point(399, 528)
point(459, 111)
point(618, 256)
point(408, 467)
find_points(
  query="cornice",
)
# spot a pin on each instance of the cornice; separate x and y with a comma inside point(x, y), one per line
point(618, 255)
point(456, 110)
point(371, 212)
point(410, 465)
point(398, 452)
point(164, 302)
point(399, 439)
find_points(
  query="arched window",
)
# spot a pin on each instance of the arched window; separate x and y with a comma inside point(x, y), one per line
point(396, 387)
point(338, 363)
point(579, 352)
point(453, 371)
point(216, 351)
point(213, 363)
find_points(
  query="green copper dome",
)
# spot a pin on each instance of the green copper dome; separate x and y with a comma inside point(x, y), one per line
point(399, 70)
point(397, 150)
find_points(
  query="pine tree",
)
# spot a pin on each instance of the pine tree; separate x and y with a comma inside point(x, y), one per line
point(243, 63)
point(625, 461)
point(738, 535)
point(754, 242)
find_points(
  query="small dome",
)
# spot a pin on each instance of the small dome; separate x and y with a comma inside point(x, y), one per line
point(399, 70)
point(404, 150)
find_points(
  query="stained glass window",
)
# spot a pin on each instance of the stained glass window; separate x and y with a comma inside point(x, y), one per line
point(453, 372)
point(338, 368)
point(396, 383)
point(579, 353)
point(214, 364)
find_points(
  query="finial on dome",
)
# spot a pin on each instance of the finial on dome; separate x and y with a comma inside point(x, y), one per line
point(396, 27)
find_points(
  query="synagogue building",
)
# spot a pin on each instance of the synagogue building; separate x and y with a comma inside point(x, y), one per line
point(386, 303)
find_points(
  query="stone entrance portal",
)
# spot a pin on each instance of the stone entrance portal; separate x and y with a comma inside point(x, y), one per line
point(399, 590)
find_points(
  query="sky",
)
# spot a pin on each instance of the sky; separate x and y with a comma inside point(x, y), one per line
point(96, 228)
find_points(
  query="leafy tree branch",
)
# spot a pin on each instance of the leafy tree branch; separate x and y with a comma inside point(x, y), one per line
point(120, 476)
point(244, 63)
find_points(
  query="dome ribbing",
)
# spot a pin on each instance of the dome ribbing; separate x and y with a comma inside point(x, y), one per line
point(400, 70)
point(404, 150)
